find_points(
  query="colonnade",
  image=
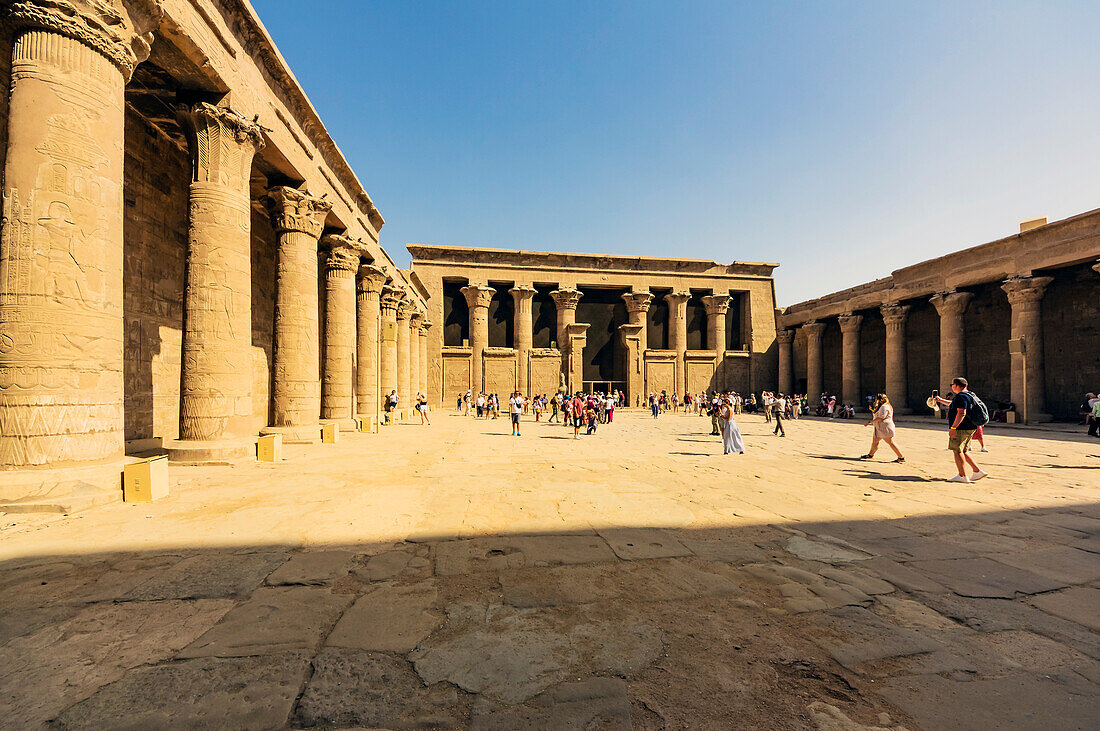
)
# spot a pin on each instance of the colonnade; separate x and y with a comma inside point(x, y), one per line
point(1025, 296)
point(61, 269)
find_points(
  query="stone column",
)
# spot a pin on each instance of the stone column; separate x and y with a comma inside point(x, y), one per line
point(61, 315)
point(414, 357)
point(632, 340)
point(786, 368)
point(404, 359)
point(478, 297)
point(677, 331)
point(850, 363)
point(337, 375)
point(216, 374)
point(897, 369)
point(523, 327)
point(422, 336)
point(951, 306)
point(577, 333)
point(716, 306)
point(637, 305)
point(815, 375)
point(566, 300)
point(296, 400)
point(388, 303)
point(1025, 295)
point(367, 315)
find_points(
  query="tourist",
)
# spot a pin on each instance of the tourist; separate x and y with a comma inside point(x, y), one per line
point(611, 410)
point(537, 407)
point(883, 420)
point(515, 408)
point(766, 401)
point(391, 406)
point(494, 405)
point(466, 404)
point(554, 407)
point(778, 407)
point(714, 406)
point(590, 416)
point(422, 407)
point(979, 437)
point(458, 404)
point(732, 443)
point(577, 410)
point(962, 428)
point(480, 403)
point(1094, 423)
point(654, 405)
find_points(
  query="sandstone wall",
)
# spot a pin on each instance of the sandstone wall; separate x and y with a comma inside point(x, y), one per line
point(1071, 339)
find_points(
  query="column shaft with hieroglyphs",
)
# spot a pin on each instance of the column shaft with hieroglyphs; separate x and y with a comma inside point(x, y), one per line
point(952, 306)
point(478, 297)
point(368, 316)
point(337, 374)
point(894, 316)
point(298, 219)
point(404, 361)
point(1025, 295)
point(717, 305)
point(61, 249)
point(785, 338)
point(414, 357)
point(677, 335)
point(523, 321)
point(850, 360)
point(815, 363)
point(390, 300)
point(566, 300)
point(423, 338)
point(216, 373)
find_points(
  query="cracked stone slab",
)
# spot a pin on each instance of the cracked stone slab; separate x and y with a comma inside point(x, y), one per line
point(984, 577)
point(826, 551)
point(43, 672)
point(805, 591)
point(1080, 604)
point(734, 552)
point(392, 618)
point(1060, 563)
point(872, 638)
point(512, 654)
point(276, 619)
point(496, 553)
point(355, 688)
point(1015, 702)
point(901, 576)
point(666, 580)
point(244, 692)
point(596, 703)
point(916, 548)
point(57, 583)
point(311, 568)
point(632, 544)
point(209, 576)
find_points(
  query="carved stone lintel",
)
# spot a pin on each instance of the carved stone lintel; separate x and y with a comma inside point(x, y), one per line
point(850, 322)
point(566, 298)
point(123, 33)
point(370, 279)
point(716, 304)
point(293, 210)
point(478, 295)
point(343, 253)
point(209, 129)
point(951, 303)
point(638, 301)
point(1021, 290)
point(785, 336)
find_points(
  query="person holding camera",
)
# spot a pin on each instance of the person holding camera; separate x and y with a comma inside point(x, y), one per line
point(883, 420)
point(965, 413)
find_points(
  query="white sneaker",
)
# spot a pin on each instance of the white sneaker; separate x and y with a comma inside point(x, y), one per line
point(984, 449)
point(958, 478)
point(978, 475)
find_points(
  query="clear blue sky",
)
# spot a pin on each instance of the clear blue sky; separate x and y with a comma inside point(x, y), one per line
point(841, 139)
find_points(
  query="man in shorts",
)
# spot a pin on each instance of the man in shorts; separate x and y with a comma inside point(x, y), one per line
point(515, 408)
point(961, 431)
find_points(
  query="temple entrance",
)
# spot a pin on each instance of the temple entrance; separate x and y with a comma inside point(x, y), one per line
point(603, 386)
point(603, 359)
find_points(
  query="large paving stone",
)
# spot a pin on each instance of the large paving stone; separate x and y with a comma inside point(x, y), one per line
point(872, 638)
point(1015, 702)
point(666, 580)
point(276, 619)
point(311, 568)
point(43, 672)
point(917, 548)
point(900, 575)
point(1080, 604)
point(984, 577)
point(495, 553)
point(806, 591)
point(209, 575)
point(55, 583)
point(24, 621)
point(1060, 563)
point(597, 703)
point(392, 618)
point(827, 551)
point(633, 544)
point(353, 688)
point(512, 654)
point(245, 692)
point(727, 551)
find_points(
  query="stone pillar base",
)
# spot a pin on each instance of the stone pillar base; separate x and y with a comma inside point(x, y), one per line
point(370, 423)
point(347, 426)
point(60, 489)
point(301, 434)
point(198, 452)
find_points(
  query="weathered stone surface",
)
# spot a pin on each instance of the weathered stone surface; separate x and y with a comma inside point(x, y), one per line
point(496, 553)
point(513, 654)
point(354, 688)
point(916, 548)
point(244, 692)
point(311, 567)
point(1080, 604)
point(730, 551)
point(983, 577)
point(900, 575)
point(43, 672)
point(873, 638)
point(392, 618)
point(641, 543)
point(824, 550)
point(597, 703)
point(805, 591)
point(830, 718)
point(274, 620)
point(1061, 563)
point(209, 575)
point(385, 566)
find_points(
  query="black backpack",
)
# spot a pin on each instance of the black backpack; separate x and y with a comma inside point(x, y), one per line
point(978, 414)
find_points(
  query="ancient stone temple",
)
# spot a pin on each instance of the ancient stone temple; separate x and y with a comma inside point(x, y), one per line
point(1019, 318)
point(534, 321)
point(187, 260)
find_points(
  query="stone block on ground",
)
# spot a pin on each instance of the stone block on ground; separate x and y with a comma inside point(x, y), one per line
point(392, 618)
point(984, 577)
point(311, 568)
point(209, 575)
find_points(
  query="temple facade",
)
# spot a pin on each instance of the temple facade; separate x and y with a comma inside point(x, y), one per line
point(1019, 318)
point(535, 322)
point(187, 260)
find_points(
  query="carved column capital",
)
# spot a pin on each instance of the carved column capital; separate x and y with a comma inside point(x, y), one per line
point(785, 336)
point(716, 304)
point(343, 253)
point(390, 299)
point(566, 299)
point(677, 298)
point(814, 330)
point(638, 301)
point(222, 143)
point(894, 315)
point(424, 328)
point(478, 295)
point(406, 309)
point(293, 210)
point(370, 279)
point(1021, 290)
point(121, 32)
point(849, 323)
point(415, 319)
point(951, 303)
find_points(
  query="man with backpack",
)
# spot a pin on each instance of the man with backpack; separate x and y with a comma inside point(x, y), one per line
point(965, 413)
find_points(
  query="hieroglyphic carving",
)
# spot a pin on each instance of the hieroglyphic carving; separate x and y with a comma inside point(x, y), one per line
point(338, 378)
point(368, 314)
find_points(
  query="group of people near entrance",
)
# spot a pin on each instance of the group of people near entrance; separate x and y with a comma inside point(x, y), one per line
point(391, 400)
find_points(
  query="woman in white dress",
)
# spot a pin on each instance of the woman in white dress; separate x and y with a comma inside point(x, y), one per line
point(883, 421)
point(732, 443)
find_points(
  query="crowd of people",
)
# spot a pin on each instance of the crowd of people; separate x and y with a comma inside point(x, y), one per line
point(577, 411)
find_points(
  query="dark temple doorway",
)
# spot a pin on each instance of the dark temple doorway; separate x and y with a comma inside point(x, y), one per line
point(604, 359)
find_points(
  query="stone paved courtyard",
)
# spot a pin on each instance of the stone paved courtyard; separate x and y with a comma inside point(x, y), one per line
point(455, 576)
